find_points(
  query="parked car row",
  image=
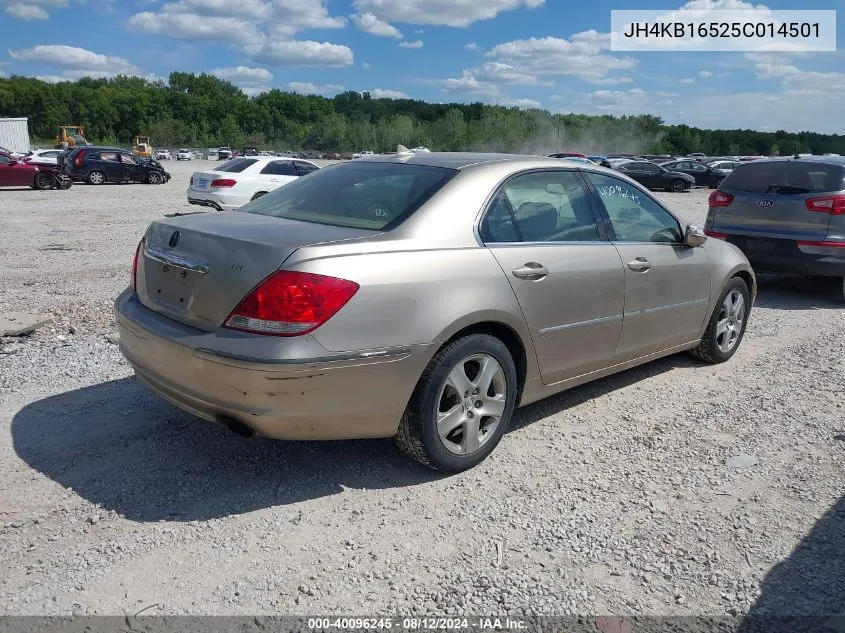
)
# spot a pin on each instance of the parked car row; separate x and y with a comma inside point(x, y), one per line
point(16, 171)
point(97, 165)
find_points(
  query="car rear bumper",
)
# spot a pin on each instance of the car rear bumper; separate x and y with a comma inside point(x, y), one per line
point(319, 395)
point(791, 256)
point(219, 201)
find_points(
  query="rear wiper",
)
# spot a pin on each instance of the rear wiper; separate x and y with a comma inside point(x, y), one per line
point(786, 189)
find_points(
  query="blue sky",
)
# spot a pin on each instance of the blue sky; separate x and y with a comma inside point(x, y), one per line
point(552, 54)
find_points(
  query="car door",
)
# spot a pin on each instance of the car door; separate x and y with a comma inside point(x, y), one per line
point(109, 163)
point(130, 168)
point(277, 173)
point(542, 228)
point(13, 173)
point(667, 284)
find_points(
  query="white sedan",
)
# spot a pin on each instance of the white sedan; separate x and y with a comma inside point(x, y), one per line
point(184, 154)
point(43, 156)
point(236, 182)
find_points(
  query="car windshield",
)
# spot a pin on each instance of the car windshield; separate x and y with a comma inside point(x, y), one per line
point(236, 165)
point(786, 177)
point(369, 195)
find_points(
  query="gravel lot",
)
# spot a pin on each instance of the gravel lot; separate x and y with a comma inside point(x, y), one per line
point(615, 497)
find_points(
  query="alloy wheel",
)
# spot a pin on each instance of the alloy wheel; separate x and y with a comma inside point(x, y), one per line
point(471, 403)
point(731, 321)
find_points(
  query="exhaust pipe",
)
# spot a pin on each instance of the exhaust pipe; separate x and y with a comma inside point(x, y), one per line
point(236, 426)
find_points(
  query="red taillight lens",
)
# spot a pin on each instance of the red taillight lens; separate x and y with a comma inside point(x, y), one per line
point(223, 182)
point(135, 265)
point(719, 236)
point(719, 199)
point(289, 303)
point(79, 157)
point(835, 205)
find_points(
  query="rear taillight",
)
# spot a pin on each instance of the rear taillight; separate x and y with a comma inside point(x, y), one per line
point(135, 265)
point(835, 205)
point(719, 236)
point(78, 160)
point(289, 303)
point(824, 244)
point(719, 199)
point(223, 182)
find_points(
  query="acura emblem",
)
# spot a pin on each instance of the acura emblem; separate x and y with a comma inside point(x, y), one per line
point(174, 239)
point(765, 203)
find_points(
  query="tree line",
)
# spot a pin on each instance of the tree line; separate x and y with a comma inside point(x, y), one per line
point(203, 111)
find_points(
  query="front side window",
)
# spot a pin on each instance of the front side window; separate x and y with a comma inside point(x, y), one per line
point(129, 159)
point(543, 206)
point(6, 160)
point(367, 195)
point(634, 215)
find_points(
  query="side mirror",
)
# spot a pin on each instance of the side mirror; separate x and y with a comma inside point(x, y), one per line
point(694, 236)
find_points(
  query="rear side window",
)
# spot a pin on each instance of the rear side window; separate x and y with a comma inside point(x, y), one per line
point(279, 168)
point(237, 165)
point(363, 194)
point(786, 177)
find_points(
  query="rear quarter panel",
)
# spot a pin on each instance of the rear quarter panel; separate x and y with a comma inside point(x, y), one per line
point(416, 298)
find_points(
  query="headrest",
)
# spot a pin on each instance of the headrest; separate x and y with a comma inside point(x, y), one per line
point(537, 221)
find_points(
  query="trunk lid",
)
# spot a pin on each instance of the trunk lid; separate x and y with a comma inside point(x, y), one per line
point(201, 180)
point(196, 269)
point(770, 199)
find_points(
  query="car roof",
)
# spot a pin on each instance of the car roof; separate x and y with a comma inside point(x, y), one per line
point(462, 160)
point(830, 160)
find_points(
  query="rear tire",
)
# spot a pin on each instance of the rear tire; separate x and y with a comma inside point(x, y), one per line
point(727, 324)
point(461, 406)
point(43, 181)
point(678, 186)
point(96, 177)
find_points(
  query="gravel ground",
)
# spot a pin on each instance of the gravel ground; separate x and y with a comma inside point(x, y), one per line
point(615, 497)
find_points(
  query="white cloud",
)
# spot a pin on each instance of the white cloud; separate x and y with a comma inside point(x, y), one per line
point(288, 18)
point(472, 46)
point(687, 80)
point(414, 44)
point(705, 73)
point(366, 65)
point(537, 61)
point(252, 81)
point(419, 31)
point(32, 9)
point(304, 53)
point(369, 23)
point(307, 88)
point(380, 93)
point(523, 104)
point(459, 13)
point(27, 11)
point(74, 58)
point(244, 75)
point(221, 8)
point(189, 26)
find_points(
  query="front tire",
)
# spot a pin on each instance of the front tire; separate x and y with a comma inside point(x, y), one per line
point(461, 406)
point(727, 324)
point(96, 178)
point(154, 178)
point(678, 186)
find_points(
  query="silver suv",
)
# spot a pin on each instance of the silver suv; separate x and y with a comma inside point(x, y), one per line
point(787, 215)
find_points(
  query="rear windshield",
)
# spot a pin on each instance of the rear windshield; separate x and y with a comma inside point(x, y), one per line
point(237, 165)
point(366, 195)
point(786, 177)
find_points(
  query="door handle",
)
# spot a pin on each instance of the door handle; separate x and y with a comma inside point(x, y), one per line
point(640, 264)
point(531, 270)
